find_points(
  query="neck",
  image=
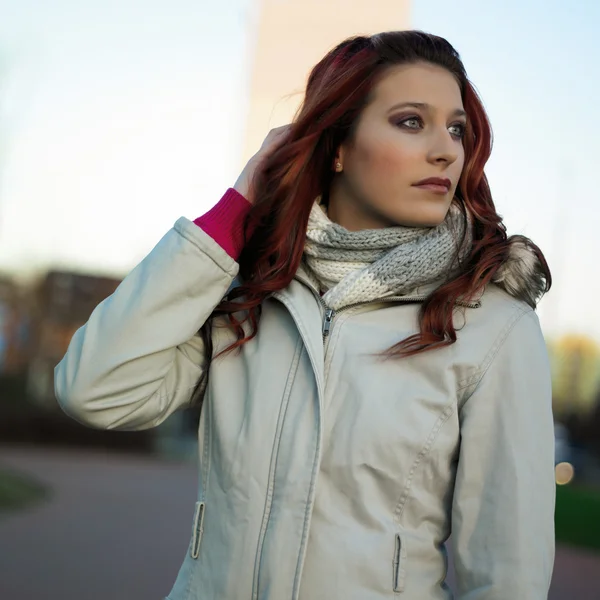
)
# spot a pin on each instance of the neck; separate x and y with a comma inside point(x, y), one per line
point(350, 212)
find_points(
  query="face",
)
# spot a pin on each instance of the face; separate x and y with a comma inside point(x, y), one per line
point(410, 131)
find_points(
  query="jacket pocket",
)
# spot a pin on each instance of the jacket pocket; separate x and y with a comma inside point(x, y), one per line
point(198, 530)
point(398, 565)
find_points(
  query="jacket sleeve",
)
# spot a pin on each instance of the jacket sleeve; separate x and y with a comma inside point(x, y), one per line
point(503, 505)
point(137, 359)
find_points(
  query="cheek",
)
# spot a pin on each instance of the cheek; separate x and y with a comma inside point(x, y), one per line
point(384, 158)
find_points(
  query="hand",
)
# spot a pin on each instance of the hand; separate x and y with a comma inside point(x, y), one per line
point(244, 181)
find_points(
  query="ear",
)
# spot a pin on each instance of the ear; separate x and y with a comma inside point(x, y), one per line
point(338, 161)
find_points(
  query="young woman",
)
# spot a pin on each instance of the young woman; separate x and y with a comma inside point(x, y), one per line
point(362, 334)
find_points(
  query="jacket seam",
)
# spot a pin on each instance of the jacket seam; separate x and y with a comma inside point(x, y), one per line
point(203, 243)
point(497, 349)
point(313, 478)
point(273, 466)
point(303, 332)
point(441, 420)
point(207, 445)
point(475, 378)
point(307, 513)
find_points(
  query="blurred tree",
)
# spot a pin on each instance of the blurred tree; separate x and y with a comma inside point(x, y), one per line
point(575, 374)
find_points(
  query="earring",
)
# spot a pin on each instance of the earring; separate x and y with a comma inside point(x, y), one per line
point(338, 167)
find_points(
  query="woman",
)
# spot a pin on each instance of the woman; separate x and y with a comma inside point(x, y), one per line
point(378, 377)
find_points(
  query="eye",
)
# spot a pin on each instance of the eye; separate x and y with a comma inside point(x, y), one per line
point(458, 130)
point(413, 122)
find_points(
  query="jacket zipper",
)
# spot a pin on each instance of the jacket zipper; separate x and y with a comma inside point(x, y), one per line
point(327, 320)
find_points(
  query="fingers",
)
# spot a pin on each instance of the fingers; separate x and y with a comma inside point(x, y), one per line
point(273, 138)
point(280, 130)
point(276, 134)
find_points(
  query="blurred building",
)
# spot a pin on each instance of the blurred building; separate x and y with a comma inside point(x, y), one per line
point(289, 37)
point(14, 317)
point(35, 336)
point(63, 302)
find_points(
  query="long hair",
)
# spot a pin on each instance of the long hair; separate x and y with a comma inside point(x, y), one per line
point(300, 169)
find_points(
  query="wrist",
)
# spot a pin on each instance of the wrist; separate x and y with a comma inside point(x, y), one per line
point(225, 222)
point(243, 183)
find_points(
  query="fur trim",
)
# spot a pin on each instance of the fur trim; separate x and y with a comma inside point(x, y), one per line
point(522, 274)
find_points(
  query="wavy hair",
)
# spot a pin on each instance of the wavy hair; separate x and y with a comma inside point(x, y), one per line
point(300, 169)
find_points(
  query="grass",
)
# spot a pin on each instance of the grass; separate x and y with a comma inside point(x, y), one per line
point(577, 516)
point(18, 491)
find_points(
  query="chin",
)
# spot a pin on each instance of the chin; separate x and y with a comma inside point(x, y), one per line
point(419, 212)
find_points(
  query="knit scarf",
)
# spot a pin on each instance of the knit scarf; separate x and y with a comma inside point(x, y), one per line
point(361, 266)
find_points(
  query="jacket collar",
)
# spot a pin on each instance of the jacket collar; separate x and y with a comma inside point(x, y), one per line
point(417, 294)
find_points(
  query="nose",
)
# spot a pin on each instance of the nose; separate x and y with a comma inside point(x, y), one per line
point(444, 148)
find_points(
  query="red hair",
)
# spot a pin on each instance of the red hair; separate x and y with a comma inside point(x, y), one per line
point(300, 169)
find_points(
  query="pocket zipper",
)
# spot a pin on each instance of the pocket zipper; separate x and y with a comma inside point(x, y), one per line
point(398, 574)
point(198, 529)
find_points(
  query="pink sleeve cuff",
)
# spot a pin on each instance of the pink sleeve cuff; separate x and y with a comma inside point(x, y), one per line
point(224, 222)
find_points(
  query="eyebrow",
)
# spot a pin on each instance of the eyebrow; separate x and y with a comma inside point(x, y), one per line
point(459, 112)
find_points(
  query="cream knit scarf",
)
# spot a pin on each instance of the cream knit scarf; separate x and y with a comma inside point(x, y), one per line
point(360, 266)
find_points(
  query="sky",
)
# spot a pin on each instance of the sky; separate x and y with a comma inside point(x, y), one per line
point(119, 116)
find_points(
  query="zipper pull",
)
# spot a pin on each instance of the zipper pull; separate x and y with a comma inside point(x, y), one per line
point(329, 314)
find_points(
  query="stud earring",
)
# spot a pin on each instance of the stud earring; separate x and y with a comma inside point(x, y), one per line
point(338, 167)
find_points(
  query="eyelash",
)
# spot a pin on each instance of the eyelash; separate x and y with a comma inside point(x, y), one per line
point(401, 123)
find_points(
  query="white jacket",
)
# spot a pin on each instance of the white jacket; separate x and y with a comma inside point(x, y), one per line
point(326, 472)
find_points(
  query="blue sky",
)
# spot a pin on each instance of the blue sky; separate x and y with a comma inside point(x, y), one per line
point(118, 116)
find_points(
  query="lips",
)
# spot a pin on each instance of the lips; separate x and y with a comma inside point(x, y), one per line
point(434, 182)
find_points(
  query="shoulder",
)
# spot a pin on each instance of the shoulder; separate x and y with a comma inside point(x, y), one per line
point(501, 323)
point(498, 312)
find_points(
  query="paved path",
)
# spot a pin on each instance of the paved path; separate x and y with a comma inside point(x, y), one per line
point(117, 529)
